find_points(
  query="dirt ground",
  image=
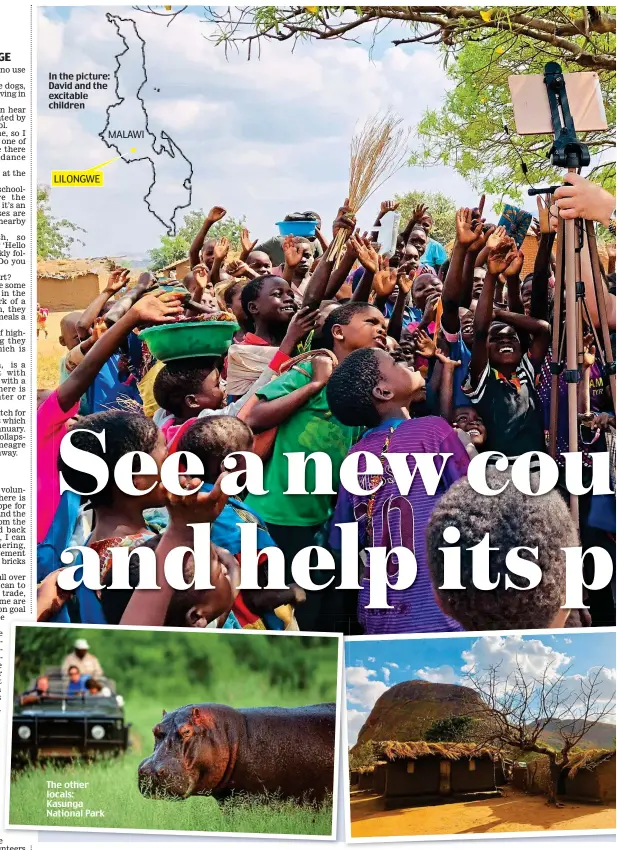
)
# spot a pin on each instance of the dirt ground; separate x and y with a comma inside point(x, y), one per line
point(514, 812)
point(49, 353)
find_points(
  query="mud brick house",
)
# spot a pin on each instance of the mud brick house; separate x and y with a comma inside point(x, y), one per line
point(365, 778)
point(180, 267)
point(64, 285)
point(421, 773)
point(591, 777)
point(379, 777)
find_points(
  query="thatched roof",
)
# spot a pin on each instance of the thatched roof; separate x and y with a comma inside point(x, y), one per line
point(422, 749)
point(588, 760)
point(71, 268)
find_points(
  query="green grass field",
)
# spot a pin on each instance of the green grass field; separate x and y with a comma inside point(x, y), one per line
point(113, 788)
point(242, 671)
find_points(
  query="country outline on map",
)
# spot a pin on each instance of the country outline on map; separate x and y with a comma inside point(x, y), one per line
point(166, 145)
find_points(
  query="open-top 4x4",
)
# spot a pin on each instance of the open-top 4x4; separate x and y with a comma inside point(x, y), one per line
point(61, 726)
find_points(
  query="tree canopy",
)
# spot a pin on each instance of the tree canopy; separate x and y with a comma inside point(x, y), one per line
point(172, 248)
point(52, 240)
point(473, 130)
point(451, 729)
point(441, 208)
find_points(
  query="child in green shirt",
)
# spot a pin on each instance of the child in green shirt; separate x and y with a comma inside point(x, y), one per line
point(297, 406)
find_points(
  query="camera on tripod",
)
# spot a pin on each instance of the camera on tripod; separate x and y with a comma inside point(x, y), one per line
point(561, 104)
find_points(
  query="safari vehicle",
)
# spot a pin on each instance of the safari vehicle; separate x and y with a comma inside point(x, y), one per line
point(59, 726)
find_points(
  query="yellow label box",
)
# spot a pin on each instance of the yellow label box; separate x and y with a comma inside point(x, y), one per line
point(77, 178)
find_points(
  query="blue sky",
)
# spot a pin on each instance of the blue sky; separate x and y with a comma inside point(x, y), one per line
point(265, 137)
point(373, 666)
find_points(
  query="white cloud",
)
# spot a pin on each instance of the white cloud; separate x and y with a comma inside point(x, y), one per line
point(355, 721)
point(512, 652)
point(386, 674)
point(362, 687)
point(567, 640)
point(444, 674)
point(371, 659)
point(265, 137)
point(392, 664)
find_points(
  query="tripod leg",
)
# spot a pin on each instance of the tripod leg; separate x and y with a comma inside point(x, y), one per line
point(555, 345)
point(571, 374)
point(598, 285)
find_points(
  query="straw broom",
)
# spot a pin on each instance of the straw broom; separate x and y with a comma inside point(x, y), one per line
point(378, 151)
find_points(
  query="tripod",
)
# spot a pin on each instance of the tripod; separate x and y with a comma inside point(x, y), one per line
point(573, 237)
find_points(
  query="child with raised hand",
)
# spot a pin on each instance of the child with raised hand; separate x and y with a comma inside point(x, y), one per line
point(296, 404)
point(62, 405)
point(503, 367)
point(165, 605)
point(372, 390)
point(190, 388)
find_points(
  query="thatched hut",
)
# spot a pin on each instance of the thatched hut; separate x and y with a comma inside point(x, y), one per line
point(519, 775)
point(365, 778)
point(380, 777)
point(180, 268)
point(64, 285)
point(418, 772)
point(590, 777)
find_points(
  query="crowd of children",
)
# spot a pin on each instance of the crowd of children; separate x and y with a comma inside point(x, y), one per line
point(428, 351)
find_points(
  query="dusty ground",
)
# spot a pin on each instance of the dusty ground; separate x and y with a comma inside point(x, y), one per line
point(514, 812)
point(49, 354)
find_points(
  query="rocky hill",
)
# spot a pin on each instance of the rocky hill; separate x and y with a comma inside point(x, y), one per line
point(408, 709)
point(601, 736)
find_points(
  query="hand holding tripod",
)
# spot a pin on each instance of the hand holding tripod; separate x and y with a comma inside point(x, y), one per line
point(573, 237)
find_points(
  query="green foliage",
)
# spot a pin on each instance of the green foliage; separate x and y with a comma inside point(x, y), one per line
point(51, 242)
point(38, 648)
point(112, 786)
point(160, 665)
point(173, 248)
point(453, 729)
point(442, 208)
point(480, 46)
point(363, 755)
point(157, 670)
point(468, 131)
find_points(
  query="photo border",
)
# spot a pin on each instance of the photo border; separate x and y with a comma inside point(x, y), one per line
point(467, 836)
point(249, 635)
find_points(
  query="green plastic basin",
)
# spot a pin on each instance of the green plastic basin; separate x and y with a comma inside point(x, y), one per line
point(189, 339)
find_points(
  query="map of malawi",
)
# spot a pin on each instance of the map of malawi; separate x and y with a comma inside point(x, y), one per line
point(127, 131)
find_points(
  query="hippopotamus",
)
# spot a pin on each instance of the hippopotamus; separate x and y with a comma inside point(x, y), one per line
point(218, 750)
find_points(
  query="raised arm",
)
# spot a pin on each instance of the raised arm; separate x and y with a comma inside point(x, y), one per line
point(269, 413)
point(416, 217)
point(541, 274)
point(221, 250)
point(151, 309)
point(467, 234)
point(513, 283)
point(117, 279)
point(538, 330)
point(215, 214)
point(247, 244)
point(499, 259)
point(369, 258)
point(395, 325)
point(149, 607)
point(384, 207)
